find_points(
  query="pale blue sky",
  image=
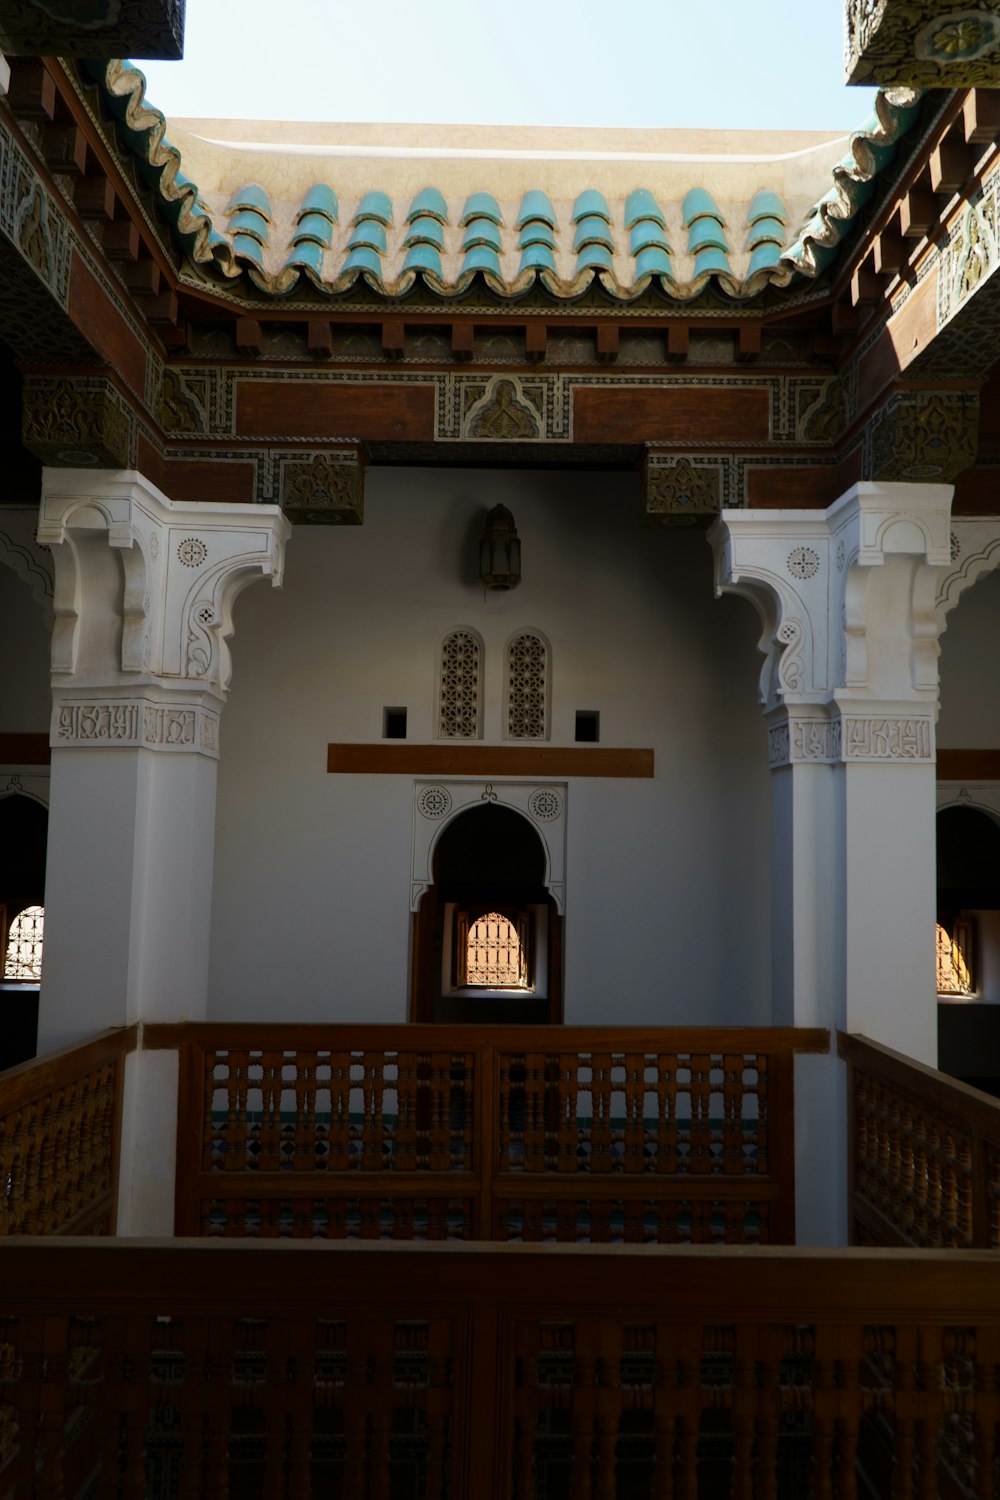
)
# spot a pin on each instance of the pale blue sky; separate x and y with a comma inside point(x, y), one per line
point(733, 64)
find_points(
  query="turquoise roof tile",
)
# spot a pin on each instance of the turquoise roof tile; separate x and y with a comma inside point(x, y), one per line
point(253, 196)
point(765, 229)
point(641, 204)
point(320, 199)
point(249, 248)
point(313, 227)
point(537, 232)
point(588, 203)
point(699, 203)
point(424, 230)
point(536, 205)
point(253, 224)
point(711, 259)
point(375, 206)
point(423, 257)
point(481, 206)
point(593, 231)
point(369, 232)
point(364, 258)
point(430, 200)
point(481, 258)
point(537, 256)
point(481, 232)
point(766, 254)
point(767, 204)
point(644, 234)
point(594, 255)
point(309, 254)
point(706, 232)
point(653, 261)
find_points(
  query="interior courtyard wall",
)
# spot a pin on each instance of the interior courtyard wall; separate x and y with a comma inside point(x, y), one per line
point(667, 916)
point(970, 686)
point(26, 630)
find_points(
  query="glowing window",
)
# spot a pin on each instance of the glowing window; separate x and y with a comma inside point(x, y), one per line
point(24, 945)
point(493, 951)
point(954, 959)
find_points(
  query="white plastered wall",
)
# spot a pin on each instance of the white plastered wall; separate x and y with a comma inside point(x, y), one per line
point(667, 906)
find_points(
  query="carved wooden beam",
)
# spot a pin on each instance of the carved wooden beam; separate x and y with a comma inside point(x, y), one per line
point(98, 28)
point(936, 44)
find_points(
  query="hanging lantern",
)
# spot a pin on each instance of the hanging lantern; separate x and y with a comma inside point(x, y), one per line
point(500, 551)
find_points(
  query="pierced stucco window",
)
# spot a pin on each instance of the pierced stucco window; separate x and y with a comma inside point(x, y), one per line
point(460, 693)
point(527, 690)
point(23, 958)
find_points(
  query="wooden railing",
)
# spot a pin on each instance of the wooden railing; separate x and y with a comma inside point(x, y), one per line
point(502, 1133)
point(60, 1129)
point(924, 1153)
point(496, 1372)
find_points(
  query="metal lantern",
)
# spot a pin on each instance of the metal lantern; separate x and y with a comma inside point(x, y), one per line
point(500, 551)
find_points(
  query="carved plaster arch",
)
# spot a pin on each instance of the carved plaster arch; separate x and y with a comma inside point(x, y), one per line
point(975, 551)
point(20, 553)
point(37, 793)
point(436, 804)
point(981, 797)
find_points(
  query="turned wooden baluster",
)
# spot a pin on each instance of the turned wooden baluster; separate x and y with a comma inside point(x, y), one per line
point(527, 1402)
point(771, 1344)
point(931, 1409)
point(688, 1342)
point(191, 1400)
point(52, 1407)
point(744, 1411)
point(381, 1401)
point(824, 1406)
point(986, 1411)
point(609, 1405)
point(356, 1409)
point(664, 1397)
point(218, 1404)
point(438, 1406)
point(849, 1341)
point(905, 1408)
point(584, 1412)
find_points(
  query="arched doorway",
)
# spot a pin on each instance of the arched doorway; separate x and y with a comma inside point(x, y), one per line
point(23, 836)
point(487, 937)
point(968, 946)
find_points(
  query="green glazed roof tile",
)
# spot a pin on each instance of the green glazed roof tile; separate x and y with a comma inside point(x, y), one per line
point(699, 204)
point(481, 206)
point(589, 203)
point(767, 205)
point(481, 258)
point(481, 232)
point(307, 254)
point(706, 232)
point(364, 258)
point(369, 232)
point(429, 201)
point(644, 234)
point(537, 232)
point(375, 206)
point(249, 248)
point(313, 227)
point(537, 256)
point(641, 204)
point(423, 257)
point(653, 261)
point(766, 254)
point(594, 254)
point(424, 230)
point(320, 199)
point(765, 229)
point(593, 231)
point(712, 259)
point(245, 222)
point(536, 205)
point(251, 196)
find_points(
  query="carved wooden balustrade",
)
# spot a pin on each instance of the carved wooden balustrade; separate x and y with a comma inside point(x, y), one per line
point(502, 1133)
point(924, 1153)
point(496, 1372)
point(60, 1128)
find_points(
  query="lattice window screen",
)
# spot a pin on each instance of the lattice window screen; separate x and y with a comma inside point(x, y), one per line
point(527, 687)
point(24, 945)
point(461, 667)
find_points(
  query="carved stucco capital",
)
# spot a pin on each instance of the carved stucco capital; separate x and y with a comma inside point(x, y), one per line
point(846, 596)
point(145, 586)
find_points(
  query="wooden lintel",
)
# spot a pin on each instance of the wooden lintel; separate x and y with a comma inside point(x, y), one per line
point(678, 341)
point(24, 750)
point(748, 340)
point(866, 286)
point(462, 340)
point(32, 92)
point(607, 341)
point(948, 165)
point(968, 765)
point(248, 336)
point(64, 148)
point(488, 760)
point(94, 197)
point(120, 240)
point(917, 213)
point(981, 116)
point(393, 339)
point(536, 340)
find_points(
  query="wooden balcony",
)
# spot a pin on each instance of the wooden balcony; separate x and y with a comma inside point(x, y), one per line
point(415, 1335)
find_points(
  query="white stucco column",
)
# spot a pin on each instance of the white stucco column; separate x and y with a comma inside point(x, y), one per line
point(144, 593)
point(847, 602)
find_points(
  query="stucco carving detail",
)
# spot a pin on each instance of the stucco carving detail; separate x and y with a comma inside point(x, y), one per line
point(504, 412)
point(677, 491)
point(324, 489)
point(922, 43)
point(20, 552)
point(926, 436)
point(76, 423)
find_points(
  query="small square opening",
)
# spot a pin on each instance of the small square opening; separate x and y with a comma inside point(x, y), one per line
point(394, 723)
point(588, 726)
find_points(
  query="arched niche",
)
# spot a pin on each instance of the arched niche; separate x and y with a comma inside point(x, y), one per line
point(487, 934)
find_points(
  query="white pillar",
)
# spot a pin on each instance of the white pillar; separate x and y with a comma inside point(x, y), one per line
point(847, 602)
point(144, 592)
